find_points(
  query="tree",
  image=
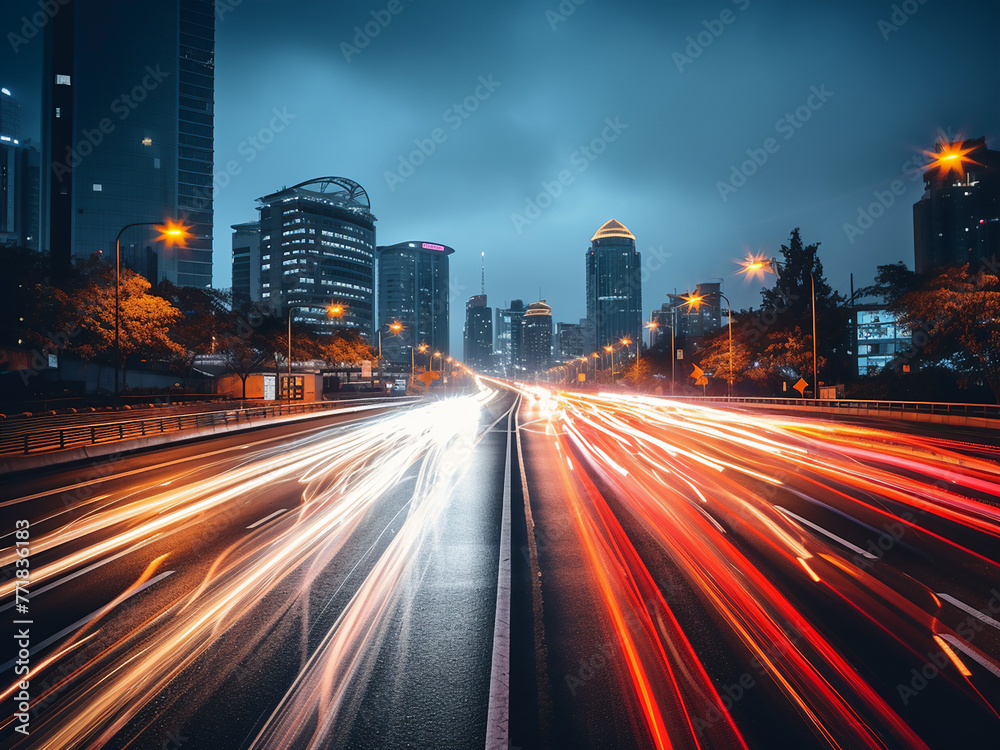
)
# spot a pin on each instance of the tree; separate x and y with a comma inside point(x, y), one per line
point(960, 314)
point(789, 305)
point(346, 347)
point(145, 319)
point(205, 316)
point(891, 283)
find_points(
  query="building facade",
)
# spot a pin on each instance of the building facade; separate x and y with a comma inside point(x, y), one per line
point(958, 218)
point(614, 285)
point(478, 334)
point(127, 131)
point(508, 338)
point(536, 338)
point(570, 339)
point(413, 289)
point(19, 179)
point(246, 262)
point(879, 339)
point(317, 247)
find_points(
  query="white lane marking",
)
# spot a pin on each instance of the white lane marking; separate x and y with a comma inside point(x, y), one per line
point(80, 623)
point(830, 534)
point(267, 518)
point(498, 712)
point(969, 610)
point(972, 653)
point(83, 571)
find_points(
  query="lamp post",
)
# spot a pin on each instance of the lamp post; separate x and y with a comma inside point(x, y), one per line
point(436, 354)
point(396, 327)
point(172, 233)
point(695, 301)
point(422, 348)
point(610, 349)
point(754, 264)
point(595, 356)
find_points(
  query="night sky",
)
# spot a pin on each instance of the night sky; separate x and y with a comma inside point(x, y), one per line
point(670, 117)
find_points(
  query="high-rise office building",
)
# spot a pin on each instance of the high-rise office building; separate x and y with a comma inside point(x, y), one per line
point(508, 338)
point(317, 246)
point(19, 175)
point(127, 131)
point(413, 290)
point(246, 262)
point(537, 338)
point(478, 334)
point(614, 285)
point(570, 340)
point(958, 218)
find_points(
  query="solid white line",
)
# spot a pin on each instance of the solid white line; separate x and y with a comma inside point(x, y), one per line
point(267, 518)
point(971, 653)
point(830, 534)
point(498, 714)
point(970, 610)
point(80, 623)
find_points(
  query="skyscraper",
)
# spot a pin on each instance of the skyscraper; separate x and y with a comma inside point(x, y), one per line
point(537, 338)
point(128, 114)
point(317, 246)
point(958, 218)
point(704, 321)
point(508, 338)
point(19, 174)
point(413, 290)
point(478, 353)
point(246, 261)
point(614, 285)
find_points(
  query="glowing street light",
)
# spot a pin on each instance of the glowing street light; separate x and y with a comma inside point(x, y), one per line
point(652, 326)
point(422, 348)
point(772, 265)
point(695, 301)
point(950, 158)
point(171, 233)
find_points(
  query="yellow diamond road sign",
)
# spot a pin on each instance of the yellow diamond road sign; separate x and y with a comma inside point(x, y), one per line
point(801, 386)
point(698, 372)
point(701, 381)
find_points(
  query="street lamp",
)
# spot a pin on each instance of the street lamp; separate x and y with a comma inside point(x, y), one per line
point(436, 354)
point(396, 327)
point(611, 350)
point(652, 326)
point(694, 301)
point(172, 233)
point(596, 357)
point(422, 348)
point(758, 264)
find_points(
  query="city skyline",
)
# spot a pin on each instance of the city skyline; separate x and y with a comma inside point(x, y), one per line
point(684, 159)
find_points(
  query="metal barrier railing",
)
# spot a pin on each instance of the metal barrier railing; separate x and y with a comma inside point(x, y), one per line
point(74, 436)
point(986, 411)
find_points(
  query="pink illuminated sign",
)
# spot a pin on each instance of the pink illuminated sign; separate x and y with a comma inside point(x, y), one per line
point(429, 246)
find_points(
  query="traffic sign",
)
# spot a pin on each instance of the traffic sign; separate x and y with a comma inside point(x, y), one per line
point(701, 381)
point(698, 373)
point(801, 386)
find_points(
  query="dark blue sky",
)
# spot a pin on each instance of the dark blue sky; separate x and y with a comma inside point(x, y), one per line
point(685, 115)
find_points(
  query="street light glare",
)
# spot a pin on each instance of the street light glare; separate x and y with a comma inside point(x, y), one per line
point(694, 300)
point(174, 233)
point(755, 266)
point(951, 158)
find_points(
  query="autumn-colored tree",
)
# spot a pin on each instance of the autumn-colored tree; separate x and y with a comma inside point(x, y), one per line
point(346, 347)
point(145, 319)
point(205, 317)
point(960, 313)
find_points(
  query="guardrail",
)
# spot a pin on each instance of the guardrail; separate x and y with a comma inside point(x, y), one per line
point(74, 436)
point(982, 411)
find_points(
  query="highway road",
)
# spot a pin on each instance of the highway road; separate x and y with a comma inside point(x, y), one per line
point(680, 576)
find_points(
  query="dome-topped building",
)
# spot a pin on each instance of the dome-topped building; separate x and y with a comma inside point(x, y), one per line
point(614, 286)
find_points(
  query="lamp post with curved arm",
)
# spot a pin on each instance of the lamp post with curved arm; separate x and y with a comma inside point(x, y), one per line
point(695, 301)
point(172, 233)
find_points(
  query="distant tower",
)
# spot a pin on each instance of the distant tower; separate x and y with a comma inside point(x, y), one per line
point(508, 338)
point(478, 352)
point(537, 338)
point(614, 285)
point(19, 179)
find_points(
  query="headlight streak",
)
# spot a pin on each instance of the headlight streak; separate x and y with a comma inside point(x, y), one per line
point(342, 474)
point(643, 449)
